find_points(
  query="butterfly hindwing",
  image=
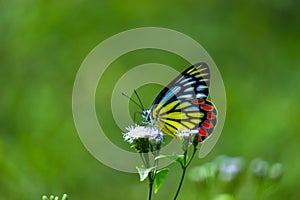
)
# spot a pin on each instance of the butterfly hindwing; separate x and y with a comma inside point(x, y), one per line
point(208, 120)
point(199, 115)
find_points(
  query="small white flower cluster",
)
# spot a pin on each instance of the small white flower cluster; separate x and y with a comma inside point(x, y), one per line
point(186, 137)
point(136, 132)
point(186, 133)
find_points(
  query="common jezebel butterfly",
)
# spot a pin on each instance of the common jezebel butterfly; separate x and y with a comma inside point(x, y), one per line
point(183, 104)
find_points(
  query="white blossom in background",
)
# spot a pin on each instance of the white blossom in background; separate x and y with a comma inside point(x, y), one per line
point(230, 167)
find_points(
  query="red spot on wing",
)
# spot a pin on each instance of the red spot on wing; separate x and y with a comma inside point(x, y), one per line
point(202, 132)
point(207, 107)
point(198, 101)
point(211, 115)
point(207, 124)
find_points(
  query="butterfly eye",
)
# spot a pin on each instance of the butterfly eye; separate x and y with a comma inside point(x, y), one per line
point(145, 114)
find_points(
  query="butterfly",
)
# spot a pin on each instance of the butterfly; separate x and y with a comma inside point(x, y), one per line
point(183, 104)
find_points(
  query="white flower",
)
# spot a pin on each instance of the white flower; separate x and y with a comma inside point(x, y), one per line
point(136, 132)
point(186, 133)
point(186, 137)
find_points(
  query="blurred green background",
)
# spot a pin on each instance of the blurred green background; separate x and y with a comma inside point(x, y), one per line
point(255, 45)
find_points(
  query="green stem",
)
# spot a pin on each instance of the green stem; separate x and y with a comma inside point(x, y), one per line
point(152, 175)
point(155, 154)
point(194, 152)
point(146, 157)
point(184, 167)
point(180, 183)
point(142, 158)
point(151, 181)
point(146, 161)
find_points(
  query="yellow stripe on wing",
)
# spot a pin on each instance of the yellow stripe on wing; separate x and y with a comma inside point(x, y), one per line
point(175, 115)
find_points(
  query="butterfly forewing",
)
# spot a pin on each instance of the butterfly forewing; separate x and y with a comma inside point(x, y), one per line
point(191, 84)
point(180, 104)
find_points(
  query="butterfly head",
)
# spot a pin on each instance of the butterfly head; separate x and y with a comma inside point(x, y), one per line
point(146, 115)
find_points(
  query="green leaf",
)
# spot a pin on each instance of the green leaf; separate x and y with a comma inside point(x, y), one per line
point(144, 172)
point(171, 157)
point(177, 158)
point(180, 159)
point(160, 177)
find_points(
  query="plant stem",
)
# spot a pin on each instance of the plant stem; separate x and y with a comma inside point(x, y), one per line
point(194, 152)
point(146, 157)
point(180, 183)
point(151, 180)
point(142, 158)
point(155, 154)
point(152, 173)
point(184, 167)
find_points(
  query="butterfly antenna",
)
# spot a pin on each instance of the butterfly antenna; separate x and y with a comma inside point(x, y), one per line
point(141, 107)
point(139, 99)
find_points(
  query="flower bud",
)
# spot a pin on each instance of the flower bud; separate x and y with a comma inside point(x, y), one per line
point(275, 172)
point(224, 197)
point(230, 168)
point(259, 168)
point(203, 173)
